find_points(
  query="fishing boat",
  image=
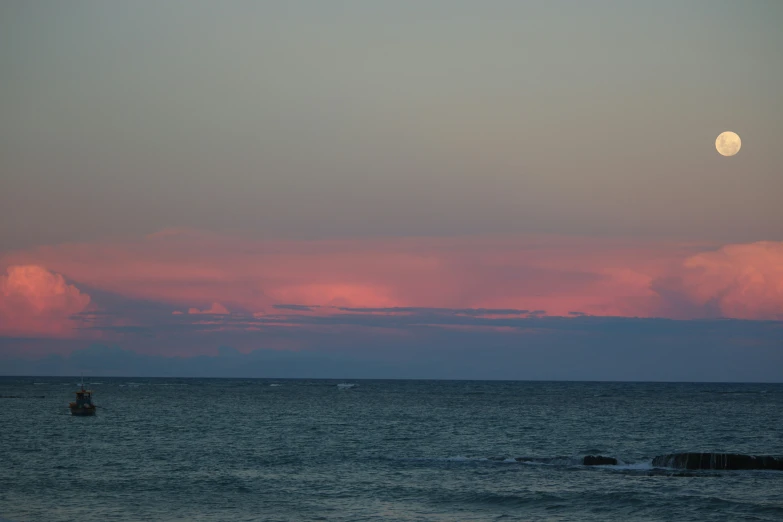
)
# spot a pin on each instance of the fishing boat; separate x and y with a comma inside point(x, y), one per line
point(83, 404)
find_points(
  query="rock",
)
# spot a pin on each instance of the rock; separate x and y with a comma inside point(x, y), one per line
point(725, 461)
point(599, 460)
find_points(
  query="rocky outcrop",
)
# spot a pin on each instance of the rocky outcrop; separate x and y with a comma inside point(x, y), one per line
point(590, 460)
point(599, 460)
point(727, 461)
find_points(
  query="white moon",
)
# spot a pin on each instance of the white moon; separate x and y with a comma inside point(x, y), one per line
point(728, 143)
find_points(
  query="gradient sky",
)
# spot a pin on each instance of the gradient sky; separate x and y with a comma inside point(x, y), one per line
point(250, 159)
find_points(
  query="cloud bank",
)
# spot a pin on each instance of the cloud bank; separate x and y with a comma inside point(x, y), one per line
point(619, 349)
point(181, 282)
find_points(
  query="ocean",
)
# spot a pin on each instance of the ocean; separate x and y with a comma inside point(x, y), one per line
point(269, 450)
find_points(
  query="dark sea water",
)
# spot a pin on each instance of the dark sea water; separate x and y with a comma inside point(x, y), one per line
point(224, 450)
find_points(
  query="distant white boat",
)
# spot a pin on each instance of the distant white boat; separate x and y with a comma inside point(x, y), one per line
point(346, 385)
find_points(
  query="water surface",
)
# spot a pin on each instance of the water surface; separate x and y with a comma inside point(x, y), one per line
point(253, 450)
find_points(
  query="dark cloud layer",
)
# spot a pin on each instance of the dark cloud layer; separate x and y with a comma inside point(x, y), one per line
point(368, 346)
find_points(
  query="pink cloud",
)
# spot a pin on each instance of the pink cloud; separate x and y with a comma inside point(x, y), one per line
point(35, 301)
point(560, 275)
point(739, 281)
point(183, 269)
point(215, 309)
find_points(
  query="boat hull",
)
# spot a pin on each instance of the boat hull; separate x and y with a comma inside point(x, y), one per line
point(83, 412)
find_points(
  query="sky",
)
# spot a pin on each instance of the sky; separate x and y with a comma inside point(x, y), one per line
point(523, 183)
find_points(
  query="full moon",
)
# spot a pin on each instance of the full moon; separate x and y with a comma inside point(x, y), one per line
point(728, 143)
